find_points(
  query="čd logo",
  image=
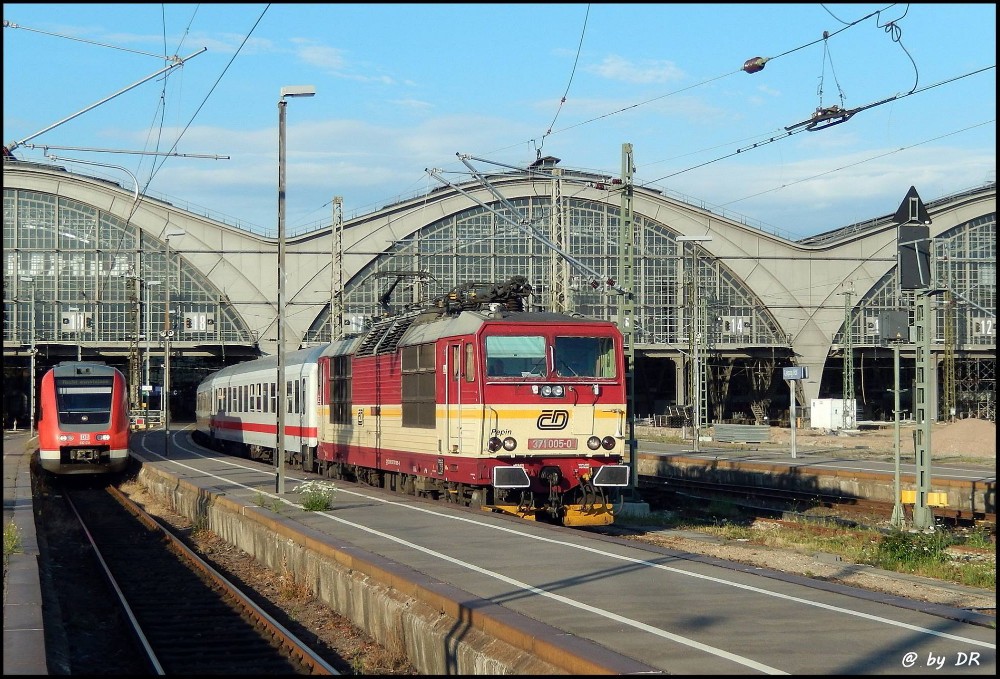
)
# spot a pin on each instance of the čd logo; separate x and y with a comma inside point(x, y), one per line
point(553, 419)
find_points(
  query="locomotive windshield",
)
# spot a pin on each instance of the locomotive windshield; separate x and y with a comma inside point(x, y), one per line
point(515, 355)
point(524, 356)
point(84, 399)
point(584, 357)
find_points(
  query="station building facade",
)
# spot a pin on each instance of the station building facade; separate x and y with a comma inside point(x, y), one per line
point(91, 267)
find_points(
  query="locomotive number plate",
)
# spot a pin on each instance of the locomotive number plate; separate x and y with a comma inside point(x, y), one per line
point(551, 444)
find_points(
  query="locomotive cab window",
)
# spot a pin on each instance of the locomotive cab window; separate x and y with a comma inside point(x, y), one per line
point(515, 356)
point(584, 357)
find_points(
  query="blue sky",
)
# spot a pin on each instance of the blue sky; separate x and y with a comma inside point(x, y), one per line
point(404, 87)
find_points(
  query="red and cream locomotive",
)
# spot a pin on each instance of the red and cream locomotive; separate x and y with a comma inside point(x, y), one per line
point(83, 424)
point(471, 400)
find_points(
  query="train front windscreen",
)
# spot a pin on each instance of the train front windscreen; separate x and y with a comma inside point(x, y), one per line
point(84, 400)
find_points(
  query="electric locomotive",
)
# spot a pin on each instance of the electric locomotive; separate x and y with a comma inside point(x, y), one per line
point(470, 399)
point(83, 424)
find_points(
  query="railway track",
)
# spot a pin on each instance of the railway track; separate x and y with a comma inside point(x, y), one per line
point(661, 493)
point(107, 560)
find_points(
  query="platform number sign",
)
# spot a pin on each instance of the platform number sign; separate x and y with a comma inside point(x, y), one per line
point(795, 372)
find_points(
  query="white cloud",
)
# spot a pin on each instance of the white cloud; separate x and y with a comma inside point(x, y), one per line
point(320, 56)
point(615, 67)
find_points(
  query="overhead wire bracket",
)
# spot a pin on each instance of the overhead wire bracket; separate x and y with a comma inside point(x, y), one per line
point(523, 224)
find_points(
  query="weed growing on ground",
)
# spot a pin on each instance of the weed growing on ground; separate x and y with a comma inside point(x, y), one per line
point(267, 502)
point(317, 495)
point(916, 553)
point(11, 540)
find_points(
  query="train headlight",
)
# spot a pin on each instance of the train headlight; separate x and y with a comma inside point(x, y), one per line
point(552, 390)
point(65, 437)
point(104, 437)
point(557, 390)
point(494, 444)
point(608, 442)
point(509, 443)
point(546, 390)
point(594, 443)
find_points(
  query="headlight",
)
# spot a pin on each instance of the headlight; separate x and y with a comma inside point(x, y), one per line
point(509, 443)
point(494, 444)
point(608, 442)
point(65, 437)
point(593, 443)
point(552, 390)
point(104, 437)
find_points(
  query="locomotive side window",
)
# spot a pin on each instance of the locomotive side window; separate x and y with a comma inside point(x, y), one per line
point(84, 399)
point(470, 363)
point(340, 390)
point(418, 397)
point(584, 357)
point(515, 356)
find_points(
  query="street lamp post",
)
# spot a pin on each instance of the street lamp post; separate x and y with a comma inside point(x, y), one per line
point(31, 332)
point(694, 328)
point(149, 328)
point(279, 444)
point(167, 334)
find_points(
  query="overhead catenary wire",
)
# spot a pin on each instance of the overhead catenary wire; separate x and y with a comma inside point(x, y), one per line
point(756, 64)
point(706, 81)
point(790, 132)
point(576, 60)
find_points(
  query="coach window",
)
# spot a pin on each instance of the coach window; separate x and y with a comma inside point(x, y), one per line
point(418, 397)
point(296, 409)
point(288, 397)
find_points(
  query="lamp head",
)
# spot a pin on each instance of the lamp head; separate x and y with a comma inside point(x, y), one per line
point(298, 91)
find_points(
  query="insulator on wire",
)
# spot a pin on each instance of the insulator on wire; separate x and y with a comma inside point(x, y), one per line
point(754, 65)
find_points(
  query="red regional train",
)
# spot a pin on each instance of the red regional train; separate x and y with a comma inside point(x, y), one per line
point(83, 423)
point(471, 400)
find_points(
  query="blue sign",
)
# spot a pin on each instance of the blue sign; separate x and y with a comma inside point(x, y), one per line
point(795, 372)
